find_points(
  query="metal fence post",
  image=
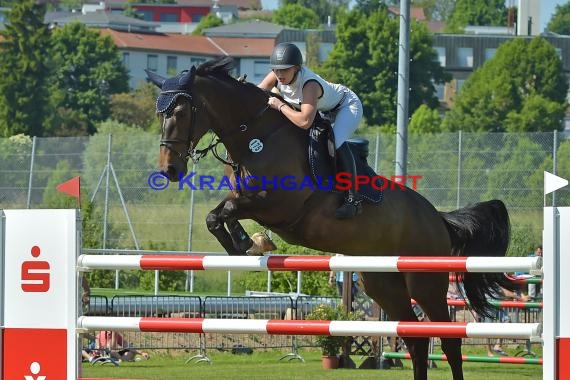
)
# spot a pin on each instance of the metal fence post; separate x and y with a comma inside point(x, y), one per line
point(31, 172)
point(190, 274)
point(459, 147)
point(554, 162)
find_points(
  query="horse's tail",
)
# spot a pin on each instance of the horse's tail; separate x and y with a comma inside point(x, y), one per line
point(482, 229)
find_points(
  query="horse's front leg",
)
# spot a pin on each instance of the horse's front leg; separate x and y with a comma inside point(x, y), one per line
point(236, 241)
point(235, 209)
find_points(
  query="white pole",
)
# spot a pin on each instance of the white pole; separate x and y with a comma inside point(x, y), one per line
point(403, 90)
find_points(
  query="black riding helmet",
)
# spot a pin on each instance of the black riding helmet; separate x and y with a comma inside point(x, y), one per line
point(285, 55)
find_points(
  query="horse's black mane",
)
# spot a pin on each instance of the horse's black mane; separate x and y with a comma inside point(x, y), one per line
point(216, 67)
point(220, 68)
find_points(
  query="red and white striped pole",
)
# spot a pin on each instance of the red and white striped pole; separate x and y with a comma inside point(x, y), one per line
point(311, 263)
point(325, 328)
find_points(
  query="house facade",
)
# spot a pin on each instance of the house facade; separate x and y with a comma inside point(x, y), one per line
point(168, 54)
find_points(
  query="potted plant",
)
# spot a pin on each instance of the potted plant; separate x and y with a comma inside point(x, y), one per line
point(331, 345)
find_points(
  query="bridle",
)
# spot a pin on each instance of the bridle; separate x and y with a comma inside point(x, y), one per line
point(168, 143)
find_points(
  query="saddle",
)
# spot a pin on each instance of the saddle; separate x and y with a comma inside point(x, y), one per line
point(323, 161)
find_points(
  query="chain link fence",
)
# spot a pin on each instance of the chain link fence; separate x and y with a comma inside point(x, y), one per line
point(456, 169)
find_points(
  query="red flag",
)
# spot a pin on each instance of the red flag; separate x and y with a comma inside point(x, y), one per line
point(71, 187)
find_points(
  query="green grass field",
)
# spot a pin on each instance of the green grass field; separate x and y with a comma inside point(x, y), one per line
point(266, 365)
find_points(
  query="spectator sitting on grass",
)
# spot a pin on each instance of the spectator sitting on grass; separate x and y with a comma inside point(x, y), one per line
point(119, 348)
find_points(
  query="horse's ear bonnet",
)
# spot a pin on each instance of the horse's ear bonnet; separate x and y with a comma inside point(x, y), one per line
point(172, 88)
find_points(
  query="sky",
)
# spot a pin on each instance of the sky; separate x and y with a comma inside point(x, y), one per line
point(547, 8)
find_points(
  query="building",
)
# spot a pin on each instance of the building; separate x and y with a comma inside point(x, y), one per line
point(461, 54)
point(168, 54)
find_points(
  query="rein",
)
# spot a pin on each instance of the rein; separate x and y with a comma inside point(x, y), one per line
point(197, 154)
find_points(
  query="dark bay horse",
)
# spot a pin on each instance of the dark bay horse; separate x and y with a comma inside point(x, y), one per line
point(261, 142)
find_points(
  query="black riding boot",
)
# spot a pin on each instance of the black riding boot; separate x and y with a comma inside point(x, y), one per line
point(351, 206)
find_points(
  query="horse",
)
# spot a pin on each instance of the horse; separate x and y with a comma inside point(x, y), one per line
point(261, 143)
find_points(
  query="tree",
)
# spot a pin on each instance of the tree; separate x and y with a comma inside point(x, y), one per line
point(537, 114)
point(477, 12)
point(87, 69)
point(15, 154)
point(370, 6)
point(560, 21)
point(129, 11)
point(54, 198)
point(425, 120)
point(516, 162)
point(365, 58)
point(24, 70)
point(8, 3)
point(312, 53)
point(209, 21)
point(510, 82)
point(136, 108)
point(296, 16)
point(322, 8)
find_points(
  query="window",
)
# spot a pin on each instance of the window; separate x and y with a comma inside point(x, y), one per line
point(260, 70)
point(490, 53)
point(146, 14)
point(126, 59)
point(439, 91)
point(465, 57)
point(169, 17)
point(459, 85)
point(440, 55)
point(152, 62)
point(171, 65)
point(197, 17)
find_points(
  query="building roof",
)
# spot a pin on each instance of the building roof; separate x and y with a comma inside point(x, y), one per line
point(107, 20)
point(240, 4)
point(245, 47)
point(188, 44)
point(250, 28)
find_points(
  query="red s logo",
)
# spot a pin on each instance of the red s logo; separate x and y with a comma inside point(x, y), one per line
point(35, 274)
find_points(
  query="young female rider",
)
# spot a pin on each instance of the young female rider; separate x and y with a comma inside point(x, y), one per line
point(307, 93)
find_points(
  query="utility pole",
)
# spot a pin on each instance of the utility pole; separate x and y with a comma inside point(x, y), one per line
point(403, 89)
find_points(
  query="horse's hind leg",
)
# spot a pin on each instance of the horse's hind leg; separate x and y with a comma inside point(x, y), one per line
point(430, 292)
point(390, 292)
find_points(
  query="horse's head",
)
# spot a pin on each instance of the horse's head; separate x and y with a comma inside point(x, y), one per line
point(177, 114)
point(201, 99)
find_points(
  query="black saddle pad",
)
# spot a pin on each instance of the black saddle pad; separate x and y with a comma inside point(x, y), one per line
point(322, 162)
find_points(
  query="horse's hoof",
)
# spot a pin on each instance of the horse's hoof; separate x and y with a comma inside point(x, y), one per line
point(261, 243)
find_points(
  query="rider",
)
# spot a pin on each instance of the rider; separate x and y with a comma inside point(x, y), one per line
point(306, 93)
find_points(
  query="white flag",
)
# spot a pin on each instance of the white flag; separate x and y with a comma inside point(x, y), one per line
point(553, 182)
